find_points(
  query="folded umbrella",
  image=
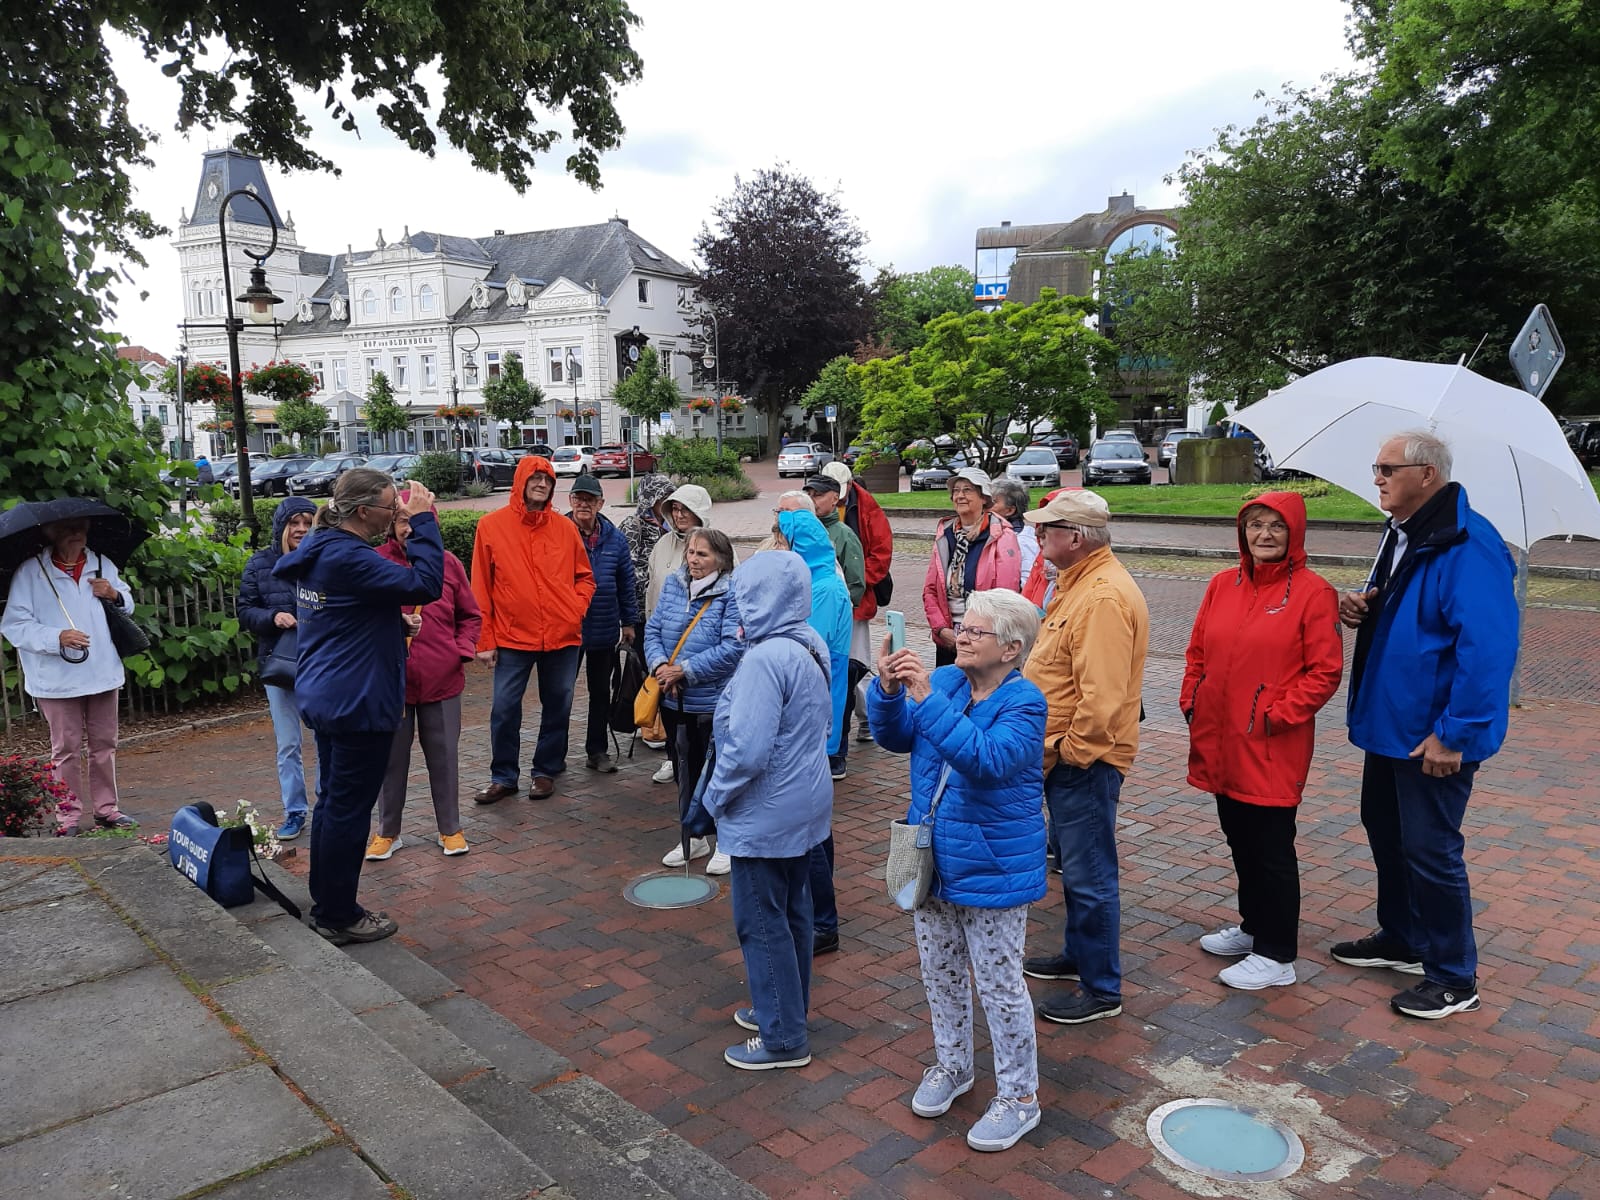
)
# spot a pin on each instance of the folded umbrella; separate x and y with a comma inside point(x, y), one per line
point(111, 533)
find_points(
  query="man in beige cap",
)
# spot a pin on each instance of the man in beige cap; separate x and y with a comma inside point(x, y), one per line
point(1089, 663)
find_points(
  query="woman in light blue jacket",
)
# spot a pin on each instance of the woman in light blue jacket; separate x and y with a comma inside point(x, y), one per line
point(772, 799)
point(974, 732)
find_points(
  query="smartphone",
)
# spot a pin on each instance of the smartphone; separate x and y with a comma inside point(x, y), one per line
point(896, 621)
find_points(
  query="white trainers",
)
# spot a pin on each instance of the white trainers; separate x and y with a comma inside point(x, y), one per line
point(1229, 941)
point(664, 773)
point(1255, 971)
point(698, 848)
point(720, 864)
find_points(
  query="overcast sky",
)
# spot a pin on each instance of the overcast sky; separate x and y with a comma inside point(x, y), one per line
point(930, 119)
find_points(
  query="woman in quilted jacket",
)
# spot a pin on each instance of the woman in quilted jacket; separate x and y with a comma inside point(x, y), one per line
point(974, 732)
point(1264, 657)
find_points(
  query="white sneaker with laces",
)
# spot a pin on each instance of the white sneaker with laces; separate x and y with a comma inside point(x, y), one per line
point(698, 848)
point(1229, 941)
point(720, 864)
point(1256, 971)
point(664, 773)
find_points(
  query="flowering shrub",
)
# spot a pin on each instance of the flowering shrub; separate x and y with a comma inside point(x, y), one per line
point(29, 793)
point(280, 380)
point(245, 816)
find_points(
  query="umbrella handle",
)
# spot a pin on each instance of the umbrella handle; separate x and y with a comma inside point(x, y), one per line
point(68, 651)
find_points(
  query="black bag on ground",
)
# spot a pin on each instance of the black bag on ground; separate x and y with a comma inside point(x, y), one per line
point(627, 677)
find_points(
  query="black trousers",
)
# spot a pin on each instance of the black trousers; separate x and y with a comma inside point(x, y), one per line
point(689, 735)
point(599, 662)
point(1262, 841)
point(943, 656)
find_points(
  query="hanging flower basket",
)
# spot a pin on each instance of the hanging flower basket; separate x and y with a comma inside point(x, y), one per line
point(732, 404)
point(455, 412)
point(701, 404)
point(205, 383)
point(591, 412)
point(566, 414)
point(281, 380)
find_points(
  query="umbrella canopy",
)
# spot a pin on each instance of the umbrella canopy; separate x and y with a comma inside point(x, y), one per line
point(22, 530)
point(1509, 452)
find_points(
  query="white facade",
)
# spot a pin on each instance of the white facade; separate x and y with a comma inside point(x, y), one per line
point(147, 400)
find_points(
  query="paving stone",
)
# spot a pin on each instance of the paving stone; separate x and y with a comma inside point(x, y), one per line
point(332, 1173)
point(186, 1139)
point(322, 963)
point(441, 1055)
point(23, 884)
point(402, 970)
point(58, 943)
point(515, 1055)
point(131, 1036)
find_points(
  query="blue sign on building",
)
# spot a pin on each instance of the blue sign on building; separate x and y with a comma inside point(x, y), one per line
point(990, 292)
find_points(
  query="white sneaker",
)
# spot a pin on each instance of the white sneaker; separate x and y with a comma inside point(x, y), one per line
point(654, 745)
point(1254, 972)
point(720, 864)
point(698, 848)
point(1230, 941)
point(664, 773)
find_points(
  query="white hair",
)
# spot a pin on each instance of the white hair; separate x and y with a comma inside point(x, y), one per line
point(1010, 492)
point(1094, 536)
point(1015, 618)
point(796, 494)
point(1427, 449)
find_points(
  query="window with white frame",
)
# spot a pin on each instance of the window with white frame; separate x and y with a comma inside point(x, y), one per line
point(644, 291)
point(425, 298)
point(372, 368)
point(491, 364)
point(566, 364)
point(398, 364)
point(320, 371)
point(397, 301)
point(369, 303)
point(163, 414)
point(430, 371)
point(340, 376)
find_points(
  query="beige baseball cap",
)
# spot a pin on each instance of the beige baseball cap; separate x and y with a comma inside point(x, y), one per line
point(837, 470)
point(1073, 508)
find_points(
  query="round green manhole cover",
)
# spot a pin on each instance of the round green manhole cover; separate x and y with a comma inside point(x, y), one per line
point(670, 889)
point(1225, 1141)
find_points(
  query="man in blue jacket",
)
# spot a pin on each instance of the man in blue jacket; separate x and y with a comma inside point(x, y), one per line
point(1436, 641)
point(613, 611)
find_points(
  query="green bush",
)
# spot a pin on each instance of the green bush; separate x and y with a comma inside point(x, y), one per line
point(690, 458)
point(458, 528)
point(476, 490)
point(226, 518)
point(742, 447)
point(281, 450)
point(727, 487)
point(439, 471)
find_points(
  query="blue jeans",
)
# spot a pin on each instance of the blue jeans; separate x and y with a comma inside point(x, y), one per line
point(1413, 824)
point(353, 767)
point(558, 679)
point(824, 905)
point(772, 918)
point(287, 731)
point(1083, 805)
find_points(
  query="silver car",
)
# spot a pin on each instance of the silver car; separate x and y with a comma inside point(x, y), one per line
point(1037, 467)
point(803, 458)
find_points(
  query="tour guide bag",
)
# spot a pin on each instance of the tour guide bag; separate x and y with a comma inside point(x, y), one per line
point(909, 872)
point(217, 859)
point(648, 701)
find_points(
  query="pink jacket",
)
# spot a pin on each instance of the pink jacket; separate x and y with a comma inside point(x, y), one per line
point(436, 665)
point(999, 566)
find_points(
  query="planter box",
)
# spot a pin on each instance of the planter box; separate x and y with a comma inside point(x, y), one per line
point(882, 476)
point(1214, 460)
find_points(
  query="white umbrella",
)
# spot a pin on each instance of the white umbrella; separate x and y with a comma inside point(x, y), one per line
point(1509, 452)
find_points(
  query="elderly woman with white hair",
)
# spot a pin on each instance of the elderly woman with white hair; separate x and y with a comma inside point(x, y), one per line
point(1010, 501)
point(973, 731)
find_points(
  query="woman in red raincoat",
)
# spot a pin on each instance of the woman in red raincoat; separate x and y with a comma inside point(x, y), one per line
point(1264, 656)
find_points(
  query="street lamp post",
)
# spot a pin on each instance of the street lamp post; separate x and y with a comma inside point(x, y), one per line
point(574, 369)
point(713, 362)
point(183, 432)
point(469, 368)
point(258, 301)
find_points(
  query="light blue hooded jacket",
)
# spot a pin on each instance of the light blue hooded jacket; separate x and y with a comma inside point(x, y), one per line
point(830, 606)
point(770, 793)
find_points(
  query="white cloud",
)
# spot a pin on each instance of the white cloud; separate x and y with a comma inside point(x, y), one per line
point(930, 119)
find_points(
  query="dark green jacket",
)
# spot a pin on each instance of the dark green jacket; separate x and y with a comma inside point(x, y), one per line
point(847, 549)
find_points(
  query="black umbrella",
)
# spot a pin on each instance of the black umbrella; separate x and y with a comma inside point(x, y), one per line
point(22, 530)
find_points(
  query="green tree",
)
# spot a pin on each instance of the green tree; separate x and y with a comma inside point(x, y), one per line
point(838, 385)
point(981, 375)
point(302, 419)
point(904, 304)
point(383, 414)
point(649, 390)
point(154, 434)
point(511, 397)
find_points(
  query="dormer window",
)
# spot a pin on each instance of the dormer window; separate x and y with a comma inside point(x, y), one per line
point(369, 303)
point(425, 298)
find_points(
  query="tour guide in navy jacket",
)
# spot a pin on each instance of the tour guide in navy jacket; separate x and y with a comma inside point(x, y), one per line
point(351, 676)
point(1430, 686)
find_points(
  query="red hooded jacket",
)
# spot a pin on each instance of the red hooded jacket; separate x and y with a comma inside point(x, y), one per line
point(865, 516)
point(1264, 656)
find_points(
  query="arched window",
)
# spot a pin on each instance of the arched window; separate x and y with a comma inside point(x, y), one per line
point(425, 298)
point(1143, 239)
point(369, 304)
point(194, 300)
point(397, 301)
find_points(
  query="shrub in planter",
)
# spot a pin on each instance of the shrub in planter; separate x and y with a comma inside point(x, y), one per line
point(477, 491)
point(29, 794)
point(726, 487)
point(439, 471)
point(458, 529)
point(689, 458)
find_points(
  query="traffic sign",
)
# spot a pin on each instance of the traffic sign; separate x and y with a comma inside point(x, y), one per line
point(833, 412)
point(1537, 353)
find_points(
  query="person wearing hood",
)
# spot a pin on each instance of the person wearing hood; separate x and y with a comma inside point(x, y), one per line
point(351, 675)
point(771, 798)
point(531, 575)
point(829, 618)
point(973, 551)
point(863, 516)
point(267, 609)
point(613, 614)
point(643, 530)
point(685, 508)
point(443, 639)
point(1264, 657)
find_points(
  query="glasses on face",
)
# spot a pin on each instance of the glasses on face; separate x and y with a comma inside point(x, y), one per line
point(971, 632)
point(384, 507)
point(962, 491)
point(1387, 470)
point(1275, 528)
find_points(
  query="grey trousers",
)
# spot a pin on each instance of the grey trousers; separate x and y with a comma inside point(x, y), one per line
point(438, 727)
point(953, 938)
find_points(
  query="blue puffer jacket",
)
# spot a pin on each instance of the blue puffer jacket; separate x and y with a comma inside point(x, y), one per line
point(615, 602)
point(830, 606)
point(988, 835)
point(351, 676)
point(771, 794)
point(713, 649)
point(261, 597)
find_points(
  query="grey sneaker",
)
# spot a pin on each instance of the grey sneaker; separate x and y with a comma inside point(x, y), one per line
point(938, 1091)
point(1229, 941)
point(372, 927)
point(1003, 1125)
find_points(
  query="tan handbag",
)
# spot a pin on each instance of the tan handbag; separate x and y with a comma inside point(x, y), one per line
point(647, 704)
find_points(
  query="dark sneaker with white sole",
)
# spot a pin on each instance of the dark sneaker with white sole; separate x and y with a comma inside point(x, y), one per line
point(1376, 950)
point(1078, 1008)
point(1430, 1000)
point(1050, 966)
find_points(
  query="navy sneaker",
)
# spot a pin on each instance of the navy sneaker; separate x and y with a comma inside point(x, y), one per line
point(1050, 966)
point(293, 826)
point(1377, 950)
point(1430, 1000)
point(751, 1055)
point(1078, 1008)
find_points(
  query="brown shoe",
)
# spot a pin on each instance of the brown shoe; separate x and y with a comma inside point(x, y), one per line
point(543, 787)
point(493, 794)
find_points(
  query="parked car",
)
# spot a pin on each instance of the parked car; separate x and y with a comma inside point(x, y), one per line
point(573, 460)
point(318, 478)
point(271, 478)
point(1064, 446)
point(1115, 460)
point(614, 459)
point(803, 458)
point(1168, 450)
point(539, 448)
point(1583, 435)
point(937, 475)
point(852, 452)
point(396, 466)
point(491, 467)
point(1037, 467)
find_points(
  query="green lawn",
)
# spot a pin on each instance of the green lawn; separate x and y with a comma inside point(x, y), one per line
point(1189, 500)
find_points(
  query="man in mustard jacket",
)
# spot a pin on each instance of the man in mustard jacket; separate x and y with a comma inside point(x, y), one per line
point(1089, 663)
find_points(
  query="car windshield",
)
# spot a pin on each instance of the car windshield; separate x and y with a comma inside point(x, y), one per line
point(566, 454)
point(324, 464)
point(386, 462)
point(1036, 458)
point(1119, 449)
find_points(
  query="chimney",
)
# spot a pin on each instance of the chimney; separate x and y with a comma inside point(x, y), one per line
point(623, 221)
point(1005, 224)
point(499, 233)
point(1119, 204)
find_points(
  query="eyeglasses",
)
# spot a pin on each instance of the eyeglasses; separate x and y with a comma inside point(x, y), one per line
point(968, 631)
point(1273, 527)
point(1387, 470)
point(384, 507)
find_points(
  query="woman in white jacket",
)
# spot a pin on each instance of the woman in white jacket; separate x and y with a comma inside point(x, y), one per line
point(53, 616)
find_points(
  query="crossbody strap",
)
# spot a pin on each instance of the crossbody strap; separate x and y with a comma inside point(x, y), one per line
point(689, 629)
point(45, 567)
point(938, 794)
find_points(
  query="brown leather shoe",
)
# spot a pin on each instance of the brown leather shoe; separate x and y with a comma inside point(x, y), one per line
point(543, 787)
point(493, 794)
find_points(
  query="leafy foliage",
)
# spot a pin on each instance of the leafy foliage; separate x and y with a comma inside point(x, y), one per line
point(280, 380)
point(905, 304)
point(303, 420)
point(836, 384)
point(697, 456)
point(650, 390)
point(458, 529)
point(438, 471)
point(29, 794)
point(153, 433)
point(511, 398)
point(383, 414)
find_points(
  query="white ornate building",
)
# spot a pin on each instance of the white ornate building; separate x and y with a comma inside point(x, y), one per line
point(439, 315)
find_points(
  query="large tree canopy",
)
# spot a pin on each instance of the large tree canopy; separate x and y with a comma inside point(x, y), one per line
point(905, 304)
point(783, 275)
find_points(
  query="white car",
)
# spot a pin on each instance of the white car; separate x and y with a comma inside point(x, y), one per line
point(572, 460)
point(803, 459)
point(1037, 467)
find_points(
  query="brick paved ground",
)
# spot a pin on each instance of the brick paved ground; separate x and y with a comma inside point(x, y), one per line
point(1502, 1102)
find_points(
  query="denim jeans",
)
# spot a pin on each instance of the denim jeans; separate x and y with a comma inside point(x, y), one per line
point(558, 679)
point(1413, 824)
point(1083, 804)
point(772, 918)
point(824, 905)
point(288, 732)
point(353, 766)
